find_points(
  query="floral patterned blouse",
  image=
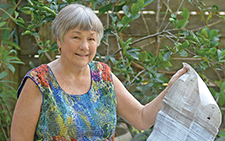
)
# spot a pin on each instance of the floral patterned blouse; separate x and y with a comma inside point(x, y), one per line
point(86, 117)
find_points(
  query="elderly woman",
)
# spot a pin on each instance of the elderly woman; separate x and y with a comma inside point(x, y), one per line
point(75, 98)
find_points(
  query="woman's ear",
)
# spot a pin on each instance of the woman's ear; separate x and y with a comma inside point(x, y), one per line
point(58, 42)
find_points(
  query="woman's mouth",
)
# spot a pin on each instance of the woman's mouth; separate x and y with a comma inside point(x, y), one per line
point(81, 55)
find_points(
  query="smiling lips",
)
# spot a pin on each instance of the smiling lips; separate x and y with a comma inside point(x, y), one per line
point(81, 55)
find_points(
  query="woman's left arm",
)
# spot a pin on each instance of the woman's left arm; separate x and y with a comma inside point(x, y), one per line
point(139, 116)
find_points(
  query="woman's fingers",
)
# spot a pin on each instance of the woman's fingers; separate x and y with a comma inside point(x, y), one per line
point(176, 76)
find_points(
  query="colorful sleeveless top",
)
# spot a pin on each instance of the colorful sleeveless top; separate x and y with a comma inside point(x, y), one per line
point(64, 117)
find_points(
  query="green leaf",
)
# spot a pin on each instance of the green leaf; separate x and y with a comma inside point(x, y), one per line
point(2, 24)
point(126, 9)
point(222, 134)
point(172, 20)
point(25, 10)
point(143, 56)
point(181, 23)
point(114, 18)
point(35, 34)
point(126, 21)
point(167, 64)
point(160, 57)
point(17, 62)
point(170, 49)
point(140, 88)
point(219, 53)
point(148, 86)
point(122, 43)
point(213, 33)
point(186, 44)
point(133, 52)
point(147, 2)
point(223, 54)
point(119, 6)
point(5, 6)
point(119, 24)
point(209, 17)
point(5, 34)
point(105, 8)
point(107, 31)
point(185, 13)
point(174, 16)
point(26, 32)
point(192, 38)
point(5, 29)
point(3, 74)
point(202, 16)
point(13, 44)
point(9, 12)
point(140, 3)
point(202, 52)
point(134, 10)
point(30, 27)
point(47, 9)
point(178, 47)
point(211, 52)
point(16, 14)
point(137, 16)
point(216, 8)
point(191, 1)
point(11, 67)
point(20, 22)
point(129, 41)
point(151, 57)
point(183, 53)
point(41, 52)
point(10, 58)
point(221, 99)
point(223, 17)
point(112, 59)
point(222, 89)
point(166, 55)
point(213, 92)
point(204, 32)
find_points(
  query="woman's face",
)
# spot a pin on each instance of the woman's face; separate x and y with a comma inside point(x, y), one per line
point(78, 47)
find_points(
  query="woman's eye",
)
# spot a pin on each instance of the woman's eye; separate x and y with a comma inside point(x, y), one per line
point(75, 37)
point(92, 39)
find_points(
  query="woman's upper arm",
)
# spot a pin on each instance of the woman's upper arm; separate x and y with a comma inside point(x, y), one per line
point(26, 113)
point(127, 106)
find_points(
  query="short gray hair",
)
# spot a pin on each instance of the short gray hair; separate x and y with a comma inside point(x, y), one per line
point(77, 15)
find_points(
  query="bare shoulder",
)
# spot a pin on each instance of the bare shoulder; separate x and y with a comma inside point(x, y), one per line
point(30, 92)
point(27, 111)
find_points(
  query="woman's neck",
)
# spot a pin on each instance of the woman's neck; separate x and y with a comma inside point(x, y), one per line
point(65, 69)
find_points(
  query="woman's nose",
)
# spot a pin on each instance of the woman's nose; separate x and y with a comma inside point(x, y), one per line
point(84, 45)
